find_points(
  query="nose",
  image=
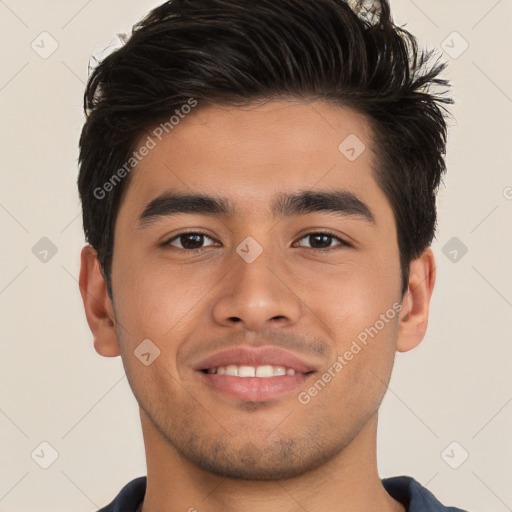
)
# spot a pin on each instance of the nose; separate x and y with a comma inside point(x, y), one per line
point(257, 295)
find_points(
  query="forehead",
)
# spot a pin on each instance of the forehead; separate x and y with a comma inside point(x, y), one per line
point(252, 154)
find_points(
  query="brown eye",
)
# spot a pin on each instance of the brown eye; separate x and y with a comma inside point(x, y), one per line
point(321, 241)
point(189, 241)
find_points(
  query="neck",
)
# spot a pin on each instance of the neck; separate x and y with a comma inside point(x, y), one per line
point(348, 482)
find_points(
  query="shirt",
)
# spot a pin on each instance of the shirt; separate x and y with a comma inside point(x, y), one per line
point(405, 489)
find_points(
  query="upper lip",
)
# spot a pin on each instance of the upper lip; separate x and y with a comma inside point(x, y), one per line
point(252, 356)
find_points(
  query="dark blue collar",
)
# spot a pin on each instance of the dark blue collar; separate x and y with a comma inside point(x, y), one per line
point(413, 496)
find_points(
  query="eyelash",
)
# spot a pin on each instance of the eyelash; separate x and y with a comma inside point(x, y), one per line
point(199, 232)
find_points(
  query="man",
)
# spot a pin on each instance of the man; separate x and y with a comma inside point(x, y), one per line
point(258, 182)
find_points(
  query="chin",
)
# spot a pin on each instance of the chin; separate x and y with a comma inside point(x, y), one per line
point(282, 460)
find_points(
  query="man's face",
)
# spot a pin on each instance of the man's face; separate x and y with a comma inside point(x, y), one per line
point(299, 304)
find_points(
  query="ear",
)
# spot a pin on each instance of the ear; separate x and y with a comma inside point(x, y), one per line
point(414, 314)
point(98, 306)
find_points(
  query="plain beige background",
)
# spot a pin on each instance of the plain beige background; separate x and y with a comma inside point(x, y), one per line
point(448, 399)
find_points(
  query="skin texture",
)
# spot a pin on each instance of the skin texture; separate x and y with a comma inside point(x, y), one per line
point(211, 451)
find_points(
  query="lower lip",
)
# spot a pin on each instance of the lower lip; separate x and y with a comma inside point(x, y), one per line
point(254, 389)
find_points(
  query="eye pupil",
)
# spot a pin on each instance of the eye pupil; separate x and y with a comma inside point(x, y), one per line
point(324, 240)
point(192, 240)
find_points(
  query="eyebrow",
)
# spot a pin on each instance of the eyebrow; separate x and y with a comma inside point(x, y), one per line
point(339, 202)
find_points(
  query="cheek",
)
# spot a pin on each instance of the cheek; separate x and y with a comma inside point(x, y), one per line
point(349, 391)
point(361, 307)
point(352, 297)
point(362, 367)
point(157, 300)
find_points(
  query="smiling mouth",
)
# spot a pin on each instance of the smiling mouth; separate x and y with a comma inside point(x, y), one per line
point(262, 383)
point(255, 374)
point(244, 371)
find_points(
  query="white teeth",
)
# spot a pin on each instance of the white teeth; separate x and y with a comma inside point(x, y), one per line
point(264, 371)
point(246, 371)
point(232, 370)
point(279, 370)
